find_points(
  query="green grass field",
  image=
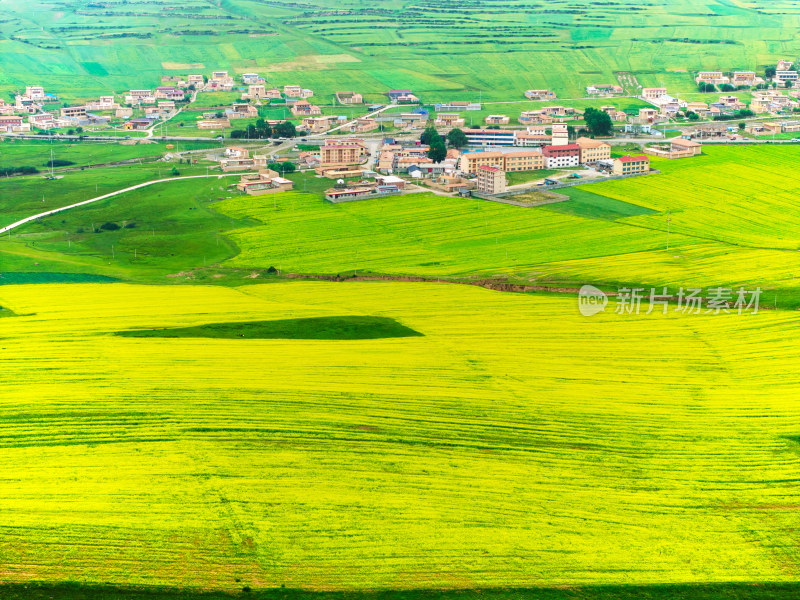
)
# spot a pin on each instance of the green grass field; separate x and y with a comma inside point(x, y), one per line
point(518, 177)
point(418, 234)
point(15, 152)
point(163, 229)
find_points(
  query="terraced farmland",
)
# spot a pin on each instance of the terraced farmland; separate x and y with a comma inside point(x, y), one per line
point(515, 443)
point(452, 52)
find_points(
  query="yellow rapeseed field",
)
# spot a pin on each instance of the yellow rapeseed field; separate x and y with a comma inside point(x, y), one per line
point(517, 443)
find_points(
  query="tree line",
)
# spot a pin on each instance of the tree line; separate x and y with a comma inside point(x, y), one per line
point(263, 130)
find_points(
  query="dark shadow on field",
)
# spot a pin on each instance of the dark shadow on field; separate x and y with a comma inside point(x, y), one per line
point(314, 328)
point(717, 591)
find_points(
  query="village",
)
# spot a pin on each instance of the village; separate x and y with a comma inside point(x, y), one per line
point(374, 149)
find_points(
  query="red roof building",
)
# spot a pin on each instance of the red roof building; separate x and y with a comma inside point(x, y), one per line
point(563, 150)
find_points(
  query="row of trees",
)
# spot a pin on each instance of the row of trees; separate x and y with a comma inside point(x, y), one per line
point(739, 114)
point(262, 130)
point(708, 88)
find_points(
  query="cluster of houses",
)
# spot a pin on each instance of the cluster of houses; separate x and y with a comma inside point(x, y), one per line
point(412, 159)
point(773, 127)
point(143, 108)
point(736, 79)
point(548, 114)
point(604, 89)
point(556, 155)
point(236, 158)
point(490, 168)
point(32, 105)
point(785, 76)
point(339, 158)
point(678, 147)
point(489, 164)
point(155, 104)
point(371, 186)
point(540, 95)
point(402, 97)
point(666, 106)
point(266, 181)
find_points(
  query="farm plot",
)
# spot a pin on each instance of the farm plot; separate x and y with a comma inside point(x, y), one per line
point(743, 196)
point(418, 234)
point(154, 230)
point(461, 458)
point(15, 153)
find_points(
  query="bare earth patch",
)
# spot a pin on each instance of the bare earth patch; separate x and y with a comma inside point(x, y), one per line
point(178, 65)
point(314, 62)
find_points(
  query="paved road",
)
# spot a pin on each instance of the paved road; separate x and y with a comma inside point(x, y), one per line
point(54, 211)
point(372, 114)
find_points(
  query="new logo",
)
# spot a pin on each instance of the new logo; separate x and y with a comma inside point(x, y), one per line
point(591, 300)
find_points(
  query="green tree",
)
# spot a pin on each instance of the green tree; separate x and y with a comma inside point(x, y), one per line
point(787, 84)
point(598, 122)
point(429, 136)
point(742, 125)
point(457, 138)
point(285, 129)
point(706, 87)
point(437, 152)
point(282, 167)
point(769, 72)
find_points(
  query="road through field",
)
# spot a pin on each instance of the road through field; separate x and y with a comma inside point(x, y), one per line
point(47, 213)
